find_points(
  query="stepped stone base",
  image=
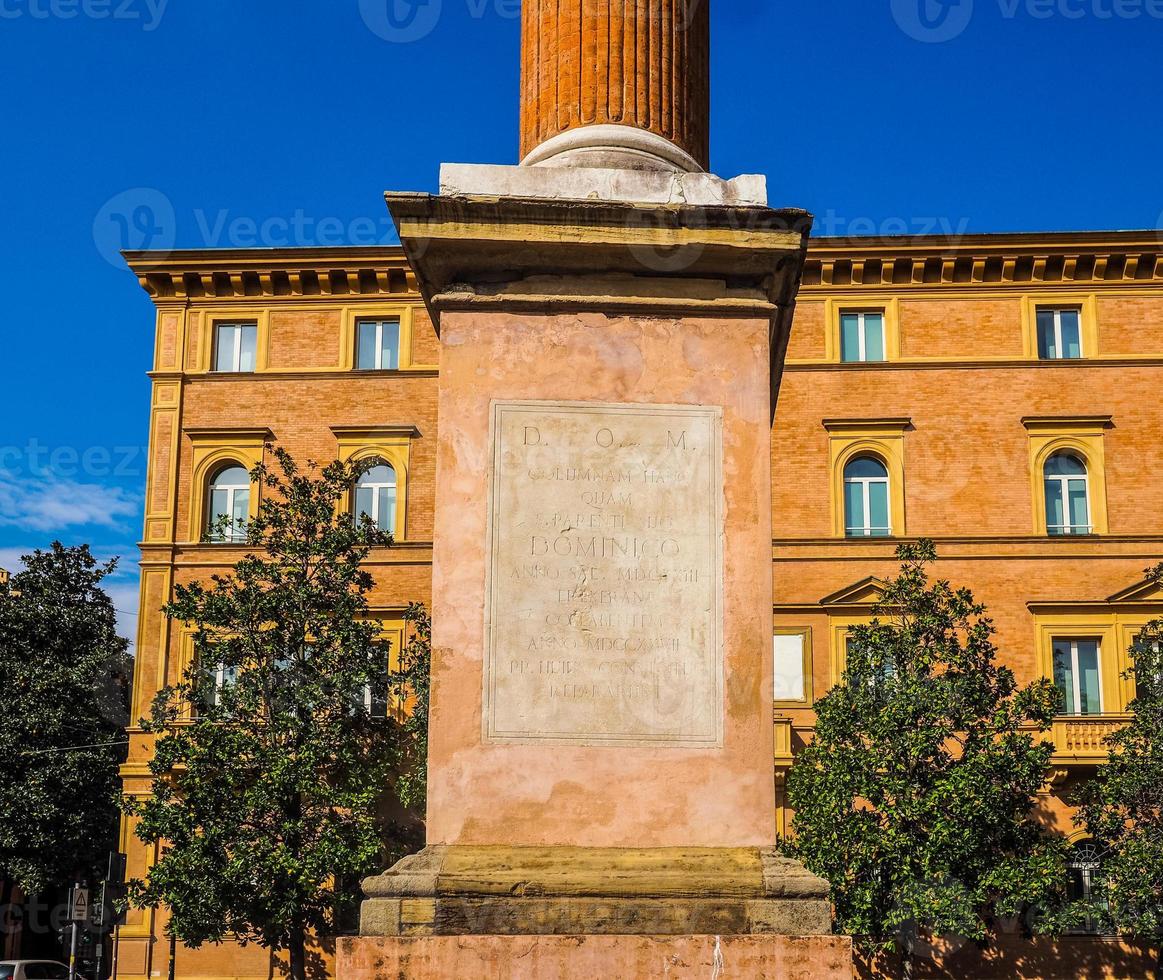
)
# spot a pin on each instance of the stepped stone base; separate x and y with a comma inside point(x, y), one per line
point(588, 957)
point(546, 891)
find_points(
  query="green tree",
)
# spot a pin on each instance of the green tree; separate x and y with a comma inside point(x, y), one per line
point(915, 797)
point(64, 675)
point(272, 763)
point(411, 685)
point(1122, 807)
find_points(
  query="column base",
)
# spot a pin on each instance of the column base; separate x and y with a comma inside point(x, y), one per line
point(570, 957)
point(572, 891)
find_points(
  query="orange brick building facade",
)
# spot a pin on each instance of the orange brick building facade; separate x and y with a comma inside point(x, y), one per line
point(950, 392)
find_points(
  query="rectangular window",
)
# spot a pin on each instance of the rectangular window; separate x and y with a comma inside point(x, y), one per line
point(790, 667)
point(234, 347)
point(378, 345)
point(1059, 334)
point(1077, 676)
point(377, 695)
point(223, 678)
point(887, 670)
point(862, 337)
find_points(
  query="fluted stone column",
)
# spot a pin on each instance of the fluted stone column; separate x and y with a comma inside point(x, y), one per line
point(616, 83)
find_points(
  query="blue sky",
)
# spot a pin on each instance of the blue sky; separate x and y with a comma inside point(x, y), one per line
point(204, 123)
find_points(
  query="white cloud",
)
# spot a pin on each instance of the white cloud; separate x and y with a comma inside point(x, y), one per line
point(52, 503)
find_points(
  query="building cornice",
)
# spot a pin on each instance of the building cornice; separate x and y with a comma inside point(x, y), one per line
point(282, 273)
point(920, 261)
point(1128, 257)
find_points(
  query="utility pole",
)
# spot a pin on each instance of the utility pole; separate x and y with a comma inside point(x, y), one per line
point(78, 913)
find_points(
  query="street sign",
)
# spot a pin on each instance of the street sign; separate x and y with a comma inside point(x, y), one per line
point(79, 905)
point(99, 910)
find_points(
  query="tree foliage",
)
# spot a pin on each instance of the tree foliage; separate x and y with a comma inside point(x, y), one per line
point(64, 674)
point(915, 797)
point(1122, 807)
point(272, 765)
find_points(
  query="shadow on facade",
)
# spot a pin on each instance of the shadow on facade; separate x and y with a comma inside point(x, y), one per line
point(1012, 957)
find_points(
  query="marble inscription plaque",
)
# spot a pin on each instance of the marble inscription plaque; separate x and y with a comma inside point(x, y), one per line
point(604, 594)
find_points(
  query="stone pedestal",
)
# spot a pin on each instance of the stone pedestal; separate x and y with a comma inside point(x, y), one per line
point(601, 739)
point(590, 957)
point(602, 672)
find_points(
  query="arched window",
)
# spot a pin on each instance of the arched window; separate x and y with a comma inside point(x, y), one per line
point(229, 504)
point(1067, 495)
point(375, 495)
point(1084, 865)
point(866, 499)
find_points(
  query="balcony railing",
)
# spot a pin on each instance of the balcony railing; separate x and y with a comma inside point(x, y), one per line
point(1081, 739)
point(783, 741)
point(1077, 739)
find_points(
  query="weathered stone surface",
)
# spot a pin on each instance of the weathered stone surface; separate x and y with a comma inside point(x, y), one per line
point(595, 891)
point(604, 599)
point(570, 957)
point(602, 184)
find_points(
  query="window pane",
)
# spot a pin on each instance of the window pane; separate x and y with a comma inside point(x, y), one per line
point(1054, 510)
point(873, 337)
point(1046, 347)
point(391, 346)
point(249, 343)
point(1064, 464)
point(219, 505)
point(854, 507)
point(387, 518)
point(224, 339)
point(866, 466)
point(1071, 334)
point(364, 502)
point(1079, 519)
point(878, 504)
point(789, 668)
point(1088, 678)
point(850, 337)
point(382, 475)
point(241, 511)
point(1064, 677)
point(367, 347)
